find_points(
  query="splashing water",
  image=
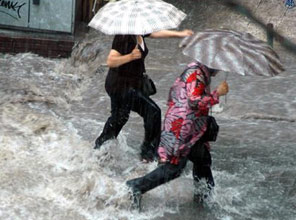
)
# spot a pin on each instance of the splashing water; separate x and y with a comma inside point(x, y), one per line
point(52, 111)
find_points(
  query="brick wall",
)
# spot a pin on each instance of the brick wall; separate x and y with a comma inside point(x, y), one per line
point(44, 47)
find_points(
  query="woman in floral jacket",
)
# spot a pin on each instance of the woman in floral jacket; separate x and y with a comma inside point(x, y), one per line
point(184, 125)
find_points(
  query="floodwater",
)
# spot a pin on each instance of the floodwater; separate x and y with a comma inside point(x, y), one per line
point(53, 110)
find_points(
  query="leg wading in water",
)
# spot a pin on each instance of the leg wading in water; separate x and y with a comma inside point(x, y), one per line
point(186, 131)
point(201, 158)
point(125, 85)
point(202, 161)
point(121, 105)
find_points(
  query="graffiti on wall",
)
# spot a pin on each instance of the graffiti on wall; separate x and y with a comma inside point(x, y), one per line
point(11, 8)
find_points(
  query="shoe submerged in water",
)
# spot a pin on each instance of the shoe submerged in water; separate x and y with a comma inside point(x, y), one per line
point(201, 198)
point(202, 192)
point(98, 143)
point(103, 138)
point(198, 198)
point(135, 197)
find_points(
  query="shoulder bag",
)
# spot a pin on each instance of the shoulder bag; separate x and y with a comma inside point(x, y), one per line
point(148, 86)
point(212, 129)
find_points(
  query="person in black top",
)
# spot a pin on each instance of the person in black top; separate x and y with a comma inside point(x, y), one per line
point(124, 85)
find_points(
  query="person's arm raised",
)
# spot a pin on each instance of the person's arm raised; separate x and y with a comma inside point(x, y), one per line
point(171, 33)
point(115, 59)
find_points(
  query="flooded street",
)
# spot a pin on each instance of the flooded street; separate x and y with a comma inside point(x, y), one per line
point(52, 110)
point(51, 116)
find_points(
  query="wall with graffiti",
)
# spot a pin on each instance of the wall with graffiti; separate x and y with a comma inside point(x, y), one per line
point(14, 12)
point(49, 15)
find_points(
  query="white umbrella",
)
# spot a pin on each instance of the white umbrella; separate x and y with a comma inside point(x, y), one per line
point(136, 17)
point(233, 51)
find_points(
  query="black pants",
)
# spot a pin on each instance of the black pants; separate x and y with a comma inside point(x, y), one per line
point(121, 105)
point(199, 155)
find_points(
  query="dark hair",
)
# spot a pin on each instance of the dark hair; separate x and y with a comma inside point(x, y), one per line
point(211, 70)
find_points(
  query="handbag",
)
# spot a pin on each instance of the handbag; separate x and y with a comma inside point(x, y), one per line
point(212, 129)
point(148, 86)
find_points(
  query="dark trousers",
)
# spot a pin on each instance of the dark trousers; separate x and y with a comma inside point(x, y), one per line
point(121, 105)
point(199, 155)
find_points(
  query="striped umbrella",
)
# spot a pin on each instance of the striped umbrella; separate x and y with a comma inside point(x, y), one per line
point(136, 17)
point(233, 51)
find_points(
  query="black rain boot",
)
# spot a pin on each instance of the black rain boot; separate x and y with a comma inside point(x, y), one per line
point(101, 139)
point(135, 196)
point(110, 131)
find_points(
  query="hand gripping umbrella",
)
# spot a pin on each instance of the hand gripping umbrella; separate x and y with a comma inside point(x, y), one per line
point(136, 17)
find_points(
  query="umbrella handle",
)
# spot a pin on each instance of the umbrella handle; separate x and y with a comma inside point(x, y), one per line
point(225, 97)
point(226, 76)
point(94, 7)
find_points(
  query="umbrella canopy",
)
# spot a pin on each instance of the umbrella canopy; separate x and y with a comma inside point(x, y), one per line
point(233, 51)
point(136, 17)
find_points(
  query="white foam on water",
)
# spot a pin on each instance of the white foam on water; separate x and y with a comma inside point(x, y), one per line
point(51, 113)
